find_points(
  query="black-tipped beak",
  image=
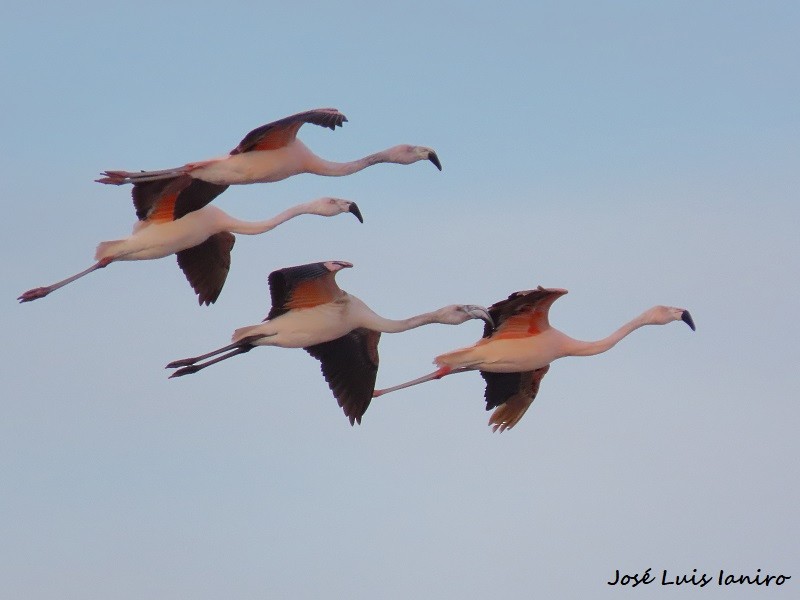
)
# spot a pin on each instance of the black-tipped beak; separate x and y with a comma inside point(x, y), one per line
point(354, 209)
point(687, 318)
point(435, 160)
point(479, 312)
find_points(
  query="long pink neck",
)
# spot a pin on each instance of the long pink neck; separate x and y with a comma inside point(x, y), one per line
point(580, 348)
point(256, 227)
point(379, 323)
point(338, 169)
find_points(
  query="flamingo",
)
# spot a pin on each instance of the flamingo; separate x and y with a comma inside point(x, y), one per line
point(310, 311)
point(270, 153)
point(200, 236)
point(515, 356)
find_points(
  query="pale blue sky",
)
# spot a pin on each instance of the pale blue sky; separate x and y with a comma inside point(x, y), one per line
point(635, 153)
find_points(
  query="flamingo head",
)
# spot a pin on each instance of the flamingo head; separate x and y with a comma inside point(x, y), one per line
point(661, 315)
point(406, 154)
point(455, 314)
point(330, 207)
point(337, 265)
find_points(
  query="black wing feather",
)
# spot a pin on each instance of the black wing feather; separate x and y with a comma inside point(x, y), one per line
point(196, 196)
point(350, 366)
point(193, 194)
point(206, 266)
point(500, 387)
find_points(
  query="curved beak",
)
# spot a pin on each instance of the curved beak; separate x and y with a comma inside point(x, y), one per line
point(435, 160)
point(687, 318)
point(479, 312)
point(354, 209)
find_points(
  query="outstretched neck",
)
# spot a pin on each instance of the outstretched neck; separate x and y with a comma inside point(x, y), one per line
point(580, 348)
point(338, 169)
point(385, 325)
point(256, 227)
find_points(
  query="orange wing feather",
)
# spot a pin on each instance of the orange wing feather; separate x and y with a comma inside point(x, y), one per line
point(164, 208)
point(283, 131)
point(520, 326)
point(278, 138)
point(522, 314)
point(313, 292)
point(303, 286)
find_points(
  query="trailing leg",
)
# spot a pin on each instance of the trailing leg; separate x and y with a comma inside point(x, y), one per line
point(244, 345)
point(41, 292)
point(194, 368)
point(437, 374)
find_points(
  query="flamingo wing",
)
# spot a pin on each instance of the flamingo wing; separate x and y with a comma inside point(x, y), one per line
point(206, 266)
point(280, 133)
point(303, 286)
point(522, 314)
point(350, 366)
point(510, 394)
point(170, 199)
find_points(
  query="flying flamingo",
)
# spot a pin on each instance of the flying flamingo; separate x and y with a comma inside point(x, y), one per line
point(310, 311)
point(174, 222)
point(270, 153)
point(514, 357)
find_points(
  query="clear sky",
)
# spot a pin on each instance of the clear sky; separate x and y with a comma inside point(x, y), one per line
point(635, 153)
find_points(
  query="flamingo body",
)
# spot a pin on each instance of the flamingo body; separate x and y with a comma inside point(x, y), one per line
point(510, 355)
point(262, 166)
point(303, 327)
point(151, 240)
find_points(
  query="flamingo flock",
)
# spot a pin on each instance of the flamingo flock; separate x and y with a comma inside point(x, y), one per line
point(309, 310)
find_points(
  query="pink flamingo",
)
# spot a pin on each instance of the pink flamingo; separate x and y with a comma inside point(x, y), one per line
point(515, 356)
point(177, 222)
point(270, 153)
point(310, 311)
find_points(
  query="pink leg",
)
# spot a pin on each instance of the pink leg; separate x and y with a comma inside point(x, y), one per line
point(122, 177)
point(247, 342)
point(41, 292)
point(437, 374)
point(112, 178)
